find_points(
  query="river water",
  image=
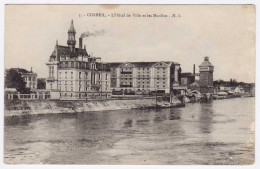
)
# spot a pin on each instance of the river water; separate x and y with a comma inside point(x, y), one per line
point(219, 132)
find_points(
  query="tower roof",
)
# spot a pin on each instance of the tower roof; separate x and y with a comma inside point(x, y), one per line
point(206, 63)
point(71, 29)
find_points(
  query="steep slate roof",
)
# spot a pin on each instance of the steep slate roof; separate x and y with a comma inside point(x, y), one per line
point(71, 29)
point(65, 50)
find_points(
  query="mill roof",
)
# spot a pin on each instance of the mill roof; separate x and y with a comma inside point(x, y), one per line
point(138, 64)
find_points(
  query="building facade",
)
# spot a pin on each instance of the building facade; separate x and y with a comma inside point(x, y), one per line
point(74, 74)
point(144, 76)
point(206, 76)
point(30, 78)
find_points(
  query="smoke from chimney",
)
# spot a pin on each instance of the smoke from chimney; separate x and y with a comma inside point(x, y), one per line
point(95, 33)
point(80, 43)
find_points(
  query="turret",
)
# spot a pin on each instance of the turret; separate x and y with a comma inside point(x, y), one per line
point(71, 37)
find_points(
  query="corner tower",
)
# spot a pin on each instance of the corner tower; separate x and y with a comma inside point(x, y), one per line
point(71, 37)
point(206, 76)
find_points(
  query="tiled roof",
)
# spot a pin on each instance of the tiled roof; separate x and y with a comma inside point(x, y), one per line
point(206, 64)
point(194, 84)
point(138, 64)
point(186, 74)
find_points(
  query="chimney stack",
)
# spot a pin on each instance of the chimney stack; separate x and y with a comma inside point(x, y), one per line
point(31, 70)
point(80, 43)
point(194, 69)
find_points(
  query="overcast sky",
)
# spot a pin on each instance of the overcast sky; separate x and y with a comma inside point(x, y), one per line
point(225, 33)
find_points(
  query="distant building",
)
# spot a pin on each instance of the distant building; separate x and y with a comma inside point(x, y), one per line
point(194, 86)
point(74, 74)
point(144, 76)
point(239, 89)
point(30, 78)
point(226, 88)
point(187, 79)
point(206, 76)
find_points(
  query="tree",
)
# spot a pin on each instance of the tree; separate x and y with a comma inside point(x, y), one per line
point(13, 79)
point(41, 83)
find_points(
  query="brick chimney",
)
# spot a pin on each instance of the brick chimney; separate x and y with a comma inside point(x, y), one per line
point(80, 43)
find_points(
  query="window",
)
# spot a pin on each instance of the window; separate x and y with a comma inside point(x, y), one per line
point(86, 75)
point(29, 78)
point(51, 85)
point(71, 88)
point(25, 78)
point(79, 75)
point(51, 71)
point(65, 75)
point(65, 88)
point(71, 75)
point(59, 75)
point(106, 76)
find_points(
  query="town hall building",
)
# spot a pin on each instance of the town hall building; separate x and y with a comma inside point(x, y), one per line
point(74, 74)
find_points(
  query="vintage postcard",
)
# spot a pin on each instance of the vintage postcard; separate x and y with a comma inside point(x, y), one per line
point(129, 84)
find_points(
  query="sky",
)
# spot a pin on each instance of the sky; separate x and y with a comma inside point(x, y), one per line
point(224, 33)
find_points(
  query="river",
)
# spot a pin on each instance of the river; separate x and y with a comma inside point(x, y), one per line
point(219, 132)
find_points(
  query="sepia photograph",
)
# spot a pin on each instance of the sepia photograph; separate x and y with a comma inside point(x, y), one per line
point(129, 84)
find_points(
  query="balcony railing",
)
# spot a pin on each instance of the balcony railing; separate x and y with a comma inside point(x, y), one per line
point(50, 78)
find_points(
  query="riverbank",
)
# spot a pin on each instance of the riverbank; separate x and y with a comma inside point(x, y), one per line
point(18, 107)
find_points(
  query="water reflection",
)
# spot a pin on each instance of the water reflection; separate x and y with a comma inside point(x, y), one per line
point(206, 117)
point(175, 114)
point(206, 133)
